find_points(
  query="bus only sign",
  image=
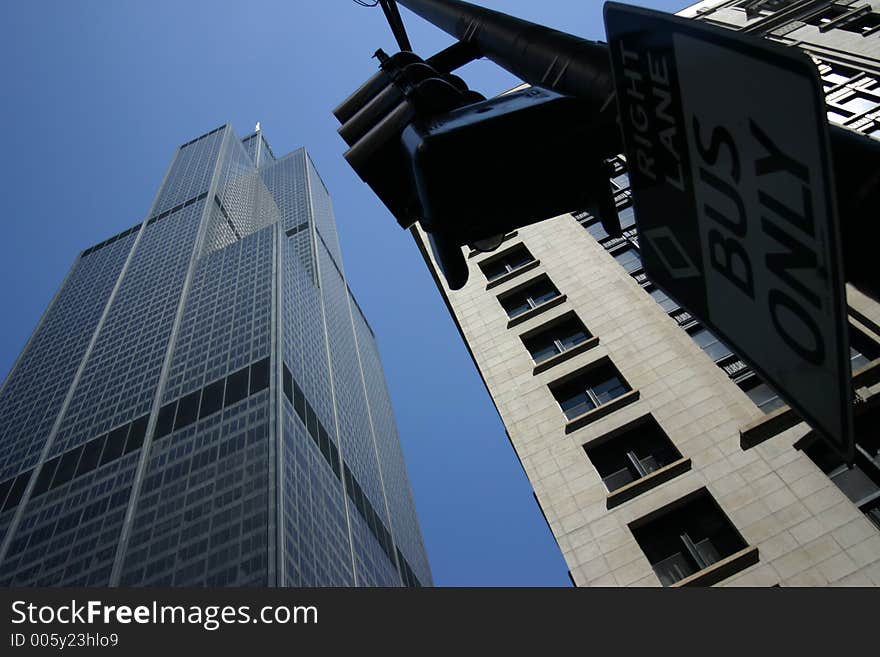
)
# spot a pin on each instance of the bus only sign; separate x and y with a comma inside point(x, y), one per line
point(727, 148)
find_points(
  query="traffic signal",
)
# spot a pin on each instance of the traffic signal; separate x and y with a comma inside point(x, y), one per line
point(468, 169)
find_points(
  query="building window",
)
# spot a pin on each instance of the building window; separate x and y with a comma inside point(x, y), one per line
point(860, 482)
point(866, 83)
point(559, 335)
point(859, 20)
point(759, 392)
point(627, 217)
point(617, 173)
point(837, 117)
point(638, 451)
point(506, 263)
point(629, 258)
point(531, 296)
point(596, 230)
point(687, 537)
point(862, 349)
point(857, 103)
point(706, 340)
point(763, 7)
point(667, 304)
point(873, 512)
point(590, 389)
point(620, 181)
point(846, 103)
point(834, 74)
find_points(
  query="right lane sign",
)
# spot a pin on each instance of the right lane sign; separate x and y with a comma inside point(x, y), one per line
point(727, 149)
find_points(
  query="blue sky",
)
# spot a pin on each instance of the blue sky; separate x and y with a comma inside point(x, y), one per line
point(96, 97)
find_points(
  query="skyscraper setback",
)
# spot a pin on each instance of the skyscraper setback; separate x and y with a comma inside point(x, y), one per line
point(203, 402)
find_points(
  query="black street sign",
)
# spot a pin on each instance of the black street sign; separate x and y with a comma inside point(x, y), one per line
point(727, 148)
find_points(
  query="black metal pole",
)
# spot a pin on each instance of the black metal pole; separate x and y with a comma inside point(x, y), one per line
point(396, 23)
point(534, 53)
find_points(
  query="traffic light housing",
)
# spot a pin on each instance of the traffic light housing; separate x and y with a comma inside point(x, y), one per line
point(468, 169)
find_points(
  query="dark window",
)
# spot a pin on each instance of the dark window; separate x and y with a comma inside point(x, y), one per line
point(115, 445)
point(855, 483)
point(862, 349)
point(532, 296)
point(556, 338)
point(359, 499)
point(667, 304)
point(212, 398)
point(860, 482)
point(859, 20)
point(826, 15)
point(628, 258)
point(16, 490)
point(688, 538)
point(589, 390)
point(4, 490)
point(91, 456)
point(633, 454)
point(596, 229)
point(507, 262)
point(259, 375)
point(706, 340)
point(136, 434)
point(299, 401)
point(756, 7)
point(288, 383)
point(187, 410)
point(334, 458)
point(324, 443)
point(165, 421)
point(67, 465)
point(44, 479)
point(873, 512)
point(627, 217)
point(759, 392)
point(236, 387)
point(835, 74)
point(311, 421)
point(349, 479)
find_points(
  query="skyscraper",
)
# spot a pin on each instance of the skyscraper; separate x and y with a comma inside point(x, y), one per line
point(656, 454)
point(203, 403)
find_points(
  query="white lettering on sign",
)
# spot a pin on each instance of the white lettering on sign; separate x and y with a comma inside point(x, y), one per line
point(651, 96)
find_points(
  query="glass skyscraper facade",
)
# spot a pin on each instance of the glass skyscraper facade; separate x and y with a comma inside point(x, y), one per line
point(203, 402)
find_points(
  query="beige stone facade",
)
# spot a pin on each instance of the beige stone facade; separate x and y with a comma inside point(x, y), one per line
point(798, 527)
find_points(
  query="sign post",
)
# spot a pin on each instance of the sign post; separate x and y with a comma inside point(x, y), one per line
point(727, 147)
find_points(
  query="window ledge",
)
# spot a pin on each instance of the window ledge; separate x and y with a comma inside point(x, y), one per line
point(586, 345)
point(639, 486)
point(723, 569)
point(764, 428)
point(495, 282)
point(601, 411)
point(537, 310)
